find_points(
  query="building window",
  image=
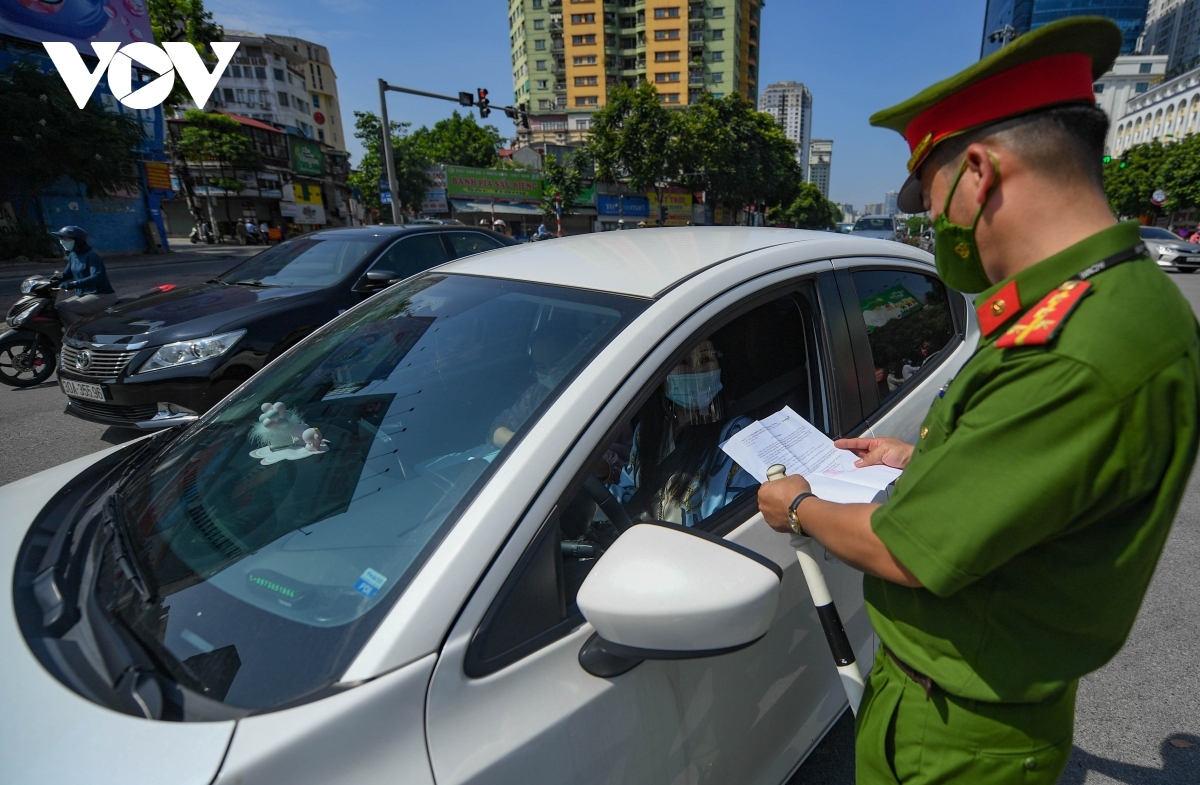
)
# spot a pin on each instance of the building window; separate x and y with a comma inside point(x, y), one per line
point(585, 81)
point(1098, 87)
point(586, 100)
point(1141, 87)
point(673, 76)
point(541, 84)
point(540, 65)
point(666, 13)
point(321, 135)
point(259, 72)
point(235, 71)
point(1144, 68)
point(316, 101)
point(537, 5)
point(717, 13)
point(264, 96)
point(718, 57)
point(660, 57)
point(278, 74)
point(666, 35)
point(241, 96)
point(228, 95)
point(585, 60)
point(580, 40)
point(540, 45)
point(583, 125)
point(545, 103)
point(668, 98)
point(718, 77)
point(718, 35)
point(583, 19)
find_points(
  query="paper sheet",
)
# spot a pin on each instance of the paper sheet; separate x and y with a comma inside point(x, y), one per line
point(787, 438)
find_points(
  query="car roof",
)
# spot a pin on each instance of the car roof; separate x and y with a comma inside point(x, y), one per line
point(394, 231)
point(649, 262)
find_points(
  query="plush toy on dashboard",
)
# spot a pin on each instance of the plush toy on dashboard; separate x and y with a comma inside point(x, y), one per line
point(277, 427)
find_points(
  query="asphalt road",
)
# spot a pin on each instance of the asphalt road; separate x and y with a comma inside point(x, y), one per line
point(1137, 719)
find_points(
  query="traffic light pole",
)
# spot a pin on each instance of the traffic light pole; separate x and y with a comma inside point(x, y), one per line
point(389, 157)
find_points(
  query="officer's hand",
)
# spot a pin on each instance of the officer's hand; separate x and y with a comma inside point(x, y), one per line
point(884, 451)
point(774, 498)
point(501, 436)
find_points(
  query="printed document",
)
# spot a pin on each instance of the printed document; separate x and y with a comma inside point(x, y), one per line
point(787, 438)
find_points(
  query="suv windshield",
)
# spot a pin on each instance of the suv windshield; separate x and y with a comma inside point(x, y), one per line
point(874, 225)
point(279, 528)
point(1155, 233)
point(319, 260)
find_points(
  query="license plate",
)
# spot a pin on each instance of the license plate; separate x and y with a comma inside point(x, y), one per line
point(92, 392)
point(1195, 259)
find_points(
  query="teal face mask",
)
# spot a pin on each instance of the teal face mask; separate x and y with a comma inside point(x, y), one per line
point(954, 249)
point(694, 390)
point(68, 245)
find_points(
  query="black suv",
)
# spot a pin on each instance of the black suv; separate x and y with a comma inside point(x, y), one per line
point(165, 359)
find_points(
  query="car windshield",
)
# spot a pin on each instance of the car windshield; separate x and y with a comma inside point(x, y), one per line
point(874, 225)
point(1155, 233)
point(280, 527)
point(318, 260)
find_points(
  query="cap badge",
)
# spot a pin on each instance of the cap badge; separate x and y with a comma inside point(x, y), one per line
point(919, 152)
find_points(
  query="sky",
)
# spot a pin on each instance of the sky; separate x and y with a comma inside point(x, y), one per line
point(855, 56)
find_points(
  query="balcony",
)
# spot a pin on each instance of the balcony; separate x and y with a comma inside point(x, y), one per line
point(559, 67)
point(696, 77)
point(557, 45)
point(696, 38)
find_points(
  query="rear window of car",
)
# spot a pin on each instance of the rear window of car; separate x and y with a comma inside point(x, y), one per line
point(874, 225)
point(305, 261)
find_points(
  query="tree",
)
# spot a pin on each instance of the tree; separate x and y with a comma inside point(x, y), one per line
point(410, 162)
point(1181, 174)
point(740, 156)
point(1131, 181)
point(459, 141)
point(565, 179)
point(916, 224)
point(184, 20)
point(213, 138)
point(809, 210)
point(44, 136)
point(636, 139)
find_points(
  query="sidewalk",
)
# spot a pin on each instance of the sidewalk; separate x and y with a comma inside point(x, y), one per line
point(182, 252)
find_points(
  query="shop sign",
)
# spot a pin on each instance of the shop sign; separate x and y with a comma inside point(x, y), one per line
point(307, 157)
point(307, 194)
point(627, 206)
point(435, 201)
point(302, 213)
point(464, 182)
point(678, 203)
point(158, 176)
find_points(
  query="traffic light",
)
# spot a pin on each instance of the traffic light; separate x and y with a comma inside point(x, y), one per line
point(466, 99)
point(662, 214)
point(1108, 159)
point(523, 110)
point(482, 102)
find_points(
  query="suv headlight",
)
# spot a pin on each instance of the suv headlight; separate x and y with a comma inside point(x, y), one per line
point(180, 353)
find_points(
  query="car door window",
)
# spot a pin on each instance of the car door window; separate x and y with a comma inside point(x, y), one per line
point(467, 243)
point(662, 461)
point(909, 323)
point(411, 255)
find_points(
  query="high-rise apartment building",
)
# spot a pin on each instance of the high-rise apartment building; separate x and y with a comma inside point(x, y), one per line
point(567, 53)
point(820, 161)
point(891, 203)
point(790, 103)
point(1006, 18)
point(322, 89)
point(1173, 29)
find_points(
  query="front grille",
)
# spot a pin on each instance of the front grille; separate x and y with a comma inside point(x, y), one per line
point(100, 363)
point(114, 412)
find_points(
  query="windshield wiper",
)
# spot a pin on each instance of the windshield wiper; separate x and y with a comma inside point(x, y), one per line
point(217, 280)
point(126, 556)
point(257, 283)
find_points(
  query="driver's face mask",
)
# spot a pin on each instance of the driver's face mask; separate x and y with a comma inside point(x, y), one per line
point(68, 244)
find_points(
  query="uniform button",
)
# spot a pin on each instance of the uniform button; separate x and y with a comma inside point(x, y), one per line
point(998, 307)
point(924, 432)
point(1030, 764)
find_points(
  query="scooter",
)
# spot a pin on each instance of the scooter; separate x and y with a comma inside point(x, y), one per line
point(29, 350)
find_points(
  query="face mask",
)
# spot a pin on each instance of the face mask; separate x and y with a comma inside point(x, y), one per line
point(955, 252)
point(549, 380)
point(694, 390)
point(68, 245)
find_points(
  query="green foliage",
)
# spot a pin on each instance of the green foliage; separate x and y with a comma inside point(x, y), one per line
point(563, 178)
point(217, 138)
point(636, 139)
point(809, 210)
point(29, 240)
point(184, 20)
point(410, 162)
point(901, 338)
point(917, 224)
point(44, 136)
point(459, 141)
point(1129, 187)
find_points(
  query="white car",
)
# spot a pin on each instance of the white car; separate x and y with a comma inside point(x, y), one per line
point(360, 586)
point(879, 227)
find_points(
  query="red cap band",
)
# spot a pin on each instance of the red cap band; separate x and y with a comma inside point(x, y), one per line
point(1051, 80)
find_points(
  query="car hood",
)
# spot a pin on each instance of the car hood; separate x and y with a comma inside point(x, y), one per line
point(188, 312)
point(49, 733)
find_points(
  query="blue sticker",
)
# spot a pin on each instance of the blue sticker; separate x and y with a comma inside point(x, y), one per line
point(369, 583)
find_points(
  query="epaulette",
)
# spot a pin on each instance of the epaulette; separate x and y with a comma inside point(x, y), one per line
point(1041, 324)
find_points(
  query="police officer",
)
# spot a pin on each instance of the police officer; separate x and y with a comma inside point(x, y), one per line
point(1020, 539)
point(85, 277)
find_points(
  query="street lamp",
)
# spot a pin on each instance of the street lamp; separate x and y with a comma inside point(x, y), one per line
point(1003, 35)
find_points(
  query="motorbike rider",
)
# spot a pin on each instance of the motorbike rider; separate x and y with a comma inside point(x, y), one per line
point(85, 276)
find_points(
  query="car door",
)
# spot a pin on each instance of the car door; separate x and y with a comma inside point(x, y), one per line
point(520, 694)
point(409, 255)
point(465, 242)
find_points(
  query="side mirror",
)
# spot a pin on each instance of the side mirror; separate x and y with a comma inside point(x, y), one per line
point(376, 280)
point(665, 592)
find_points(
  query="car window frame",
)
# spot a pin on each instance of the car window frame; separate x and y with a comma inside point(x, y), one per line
point(864, 358)
point(466, 230)
point(719, 524)
point(404, 237)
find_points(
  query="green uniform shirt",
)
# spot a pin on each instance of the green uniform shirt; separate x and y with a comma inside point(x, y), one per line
point(1043, 487)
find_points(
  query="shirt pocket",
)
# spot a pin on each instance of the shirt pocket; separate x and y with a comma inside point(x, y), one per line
point(936, 428)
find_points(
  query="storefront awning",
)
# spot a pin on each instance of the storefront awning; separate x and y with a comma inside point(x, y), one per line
point(499, 207)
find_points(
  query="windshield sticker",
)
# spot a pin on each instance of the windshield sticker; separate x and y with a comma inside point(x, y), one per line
point(369, 583)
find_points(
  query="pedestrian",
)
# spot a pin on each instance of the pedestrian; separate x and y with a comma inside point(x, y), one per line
point(264, 232)
point(1195, 238)
point(251, 232)
point(1015, 550)
point(501, 227)
point(85, 277)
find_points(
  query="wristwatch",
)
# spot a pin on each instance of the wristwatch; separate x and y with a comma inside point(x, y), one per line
point(792, 512)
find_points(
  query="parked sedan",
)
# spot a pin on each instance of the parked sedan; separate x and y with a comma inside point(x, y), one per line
point(1170, 250)
point(168, 358)
point(880, 227)
point(374, 559)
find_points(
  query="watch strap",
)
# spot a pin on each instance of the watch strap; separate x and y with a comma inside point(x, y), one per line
point(792, 511)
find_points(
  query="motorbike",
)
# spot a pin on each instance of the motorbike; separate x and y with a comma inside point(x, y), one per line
point(29, 349)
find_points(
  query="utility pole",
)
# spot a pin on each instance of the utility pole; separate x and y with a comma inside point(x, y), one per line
point(389, 157)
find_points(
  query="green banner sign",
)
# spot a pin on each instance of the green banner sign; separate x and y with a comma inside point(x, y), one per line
point(307, 157)
point(889, 304)
point(464, 182)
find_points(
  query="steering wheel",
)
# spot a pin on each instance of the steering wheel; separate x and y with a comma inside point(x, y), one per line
point(608, 503)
